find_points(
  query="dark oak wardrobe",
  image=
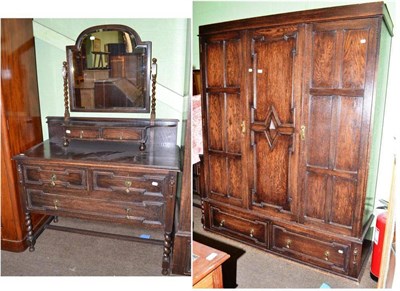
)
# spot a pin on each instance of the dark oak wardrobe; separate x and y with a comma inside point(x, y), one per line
point(20, 124)
point(292, 120)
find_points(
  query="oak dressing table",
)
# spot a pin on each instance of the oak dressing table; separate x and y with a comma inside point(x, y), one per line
point(117, 170)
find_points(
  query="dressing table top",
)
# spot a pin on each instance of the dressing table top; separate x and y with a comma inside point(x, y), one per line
point(121, 154)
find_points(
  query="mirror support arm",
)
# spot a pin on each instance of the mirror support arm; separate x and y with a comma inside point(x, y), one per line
point(66, 105)
point(153, 89)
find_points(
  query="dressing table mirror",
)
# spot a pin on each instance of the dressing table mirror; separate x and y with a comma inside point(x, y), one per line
point(116, 170)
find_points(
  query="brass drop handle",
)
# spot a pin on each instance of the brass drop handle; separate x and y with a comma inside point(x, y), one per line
point(288, 243)
point(243, 126)
point(53, 180)
point(326, 255)
point(221, 224)
point(56, 204)
point(127, 213)
point(251, 232)
point(127, 185)
point(355, 253)
point(303, 132)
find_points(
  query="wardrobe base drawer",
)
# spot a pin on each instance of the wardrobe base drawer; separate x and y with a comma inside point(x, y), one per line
point(245, 229)
point(316, 251)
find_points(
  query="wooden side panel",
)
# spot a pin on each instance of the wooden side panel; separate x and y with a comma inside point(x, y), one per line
point(319, 124)
point(314, 201)
point(323, 62)
point(223, 118)
point(336, 115)
point(354, 58)
point(348, 133)
point(215, 117)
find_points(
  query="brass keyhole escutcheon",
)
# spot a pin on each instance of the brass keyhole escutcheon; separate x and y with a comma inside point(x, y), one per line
point(288, 243)
point(251, 232)
point(81, 134)
point(243, 126)
point(326, 255)
point(221, 224)
point(56, 204)
point(127, 185)
point(53, 180)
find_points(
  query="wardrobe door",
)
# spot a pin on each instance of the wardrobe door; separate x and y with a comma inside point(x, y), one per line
point(223, 123)
point(337, 110)
point(273, 97)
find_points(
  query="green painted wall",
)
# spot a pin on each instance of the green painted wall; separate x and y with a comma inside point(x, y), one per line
point(171, 42)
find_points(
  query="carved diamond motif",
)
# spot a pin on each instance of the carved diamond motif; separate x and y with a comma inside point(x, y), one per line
point(272, 123)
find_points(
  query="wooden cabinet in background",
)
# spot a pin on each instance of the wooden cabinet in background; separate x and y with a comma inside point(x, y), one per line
point(292, 108)
point(20, 124)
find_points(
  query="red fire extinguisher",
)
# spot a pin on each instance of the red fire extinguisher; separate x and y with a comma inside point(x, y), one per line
point(379, 235)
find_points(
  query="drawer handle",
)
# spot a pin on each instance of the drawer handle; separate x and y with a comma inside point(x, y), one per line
point(326, 255)
point(81, 134)
point(56, 204)
point(127, 214)
point(355, 253)
point(251, 232)
point(53, 180)
point(288, 243)
point(221, 224)
point(127, 185)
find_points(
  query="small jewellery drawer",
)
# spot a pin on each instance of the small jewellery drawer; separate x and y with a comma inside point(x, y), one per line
point(129, 186)
point(56, 177)
point(330, 255)
point(82, 132)
point(244, 229)
point(123, 133)
point(148, 212)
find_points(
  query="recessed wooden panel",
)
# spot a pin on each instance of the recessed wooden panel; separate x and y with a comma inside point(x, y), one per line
point(349, 133)
point(218, 174)
point(233, 123)
point(315, 195)
point(318, 131)
point(323, 59)
point(273, 78)
point(272, 168)
point(232, 65)
point(214, 60)
point(344, 191)
point(235, 177)
point(215, 121)
point(354, 58)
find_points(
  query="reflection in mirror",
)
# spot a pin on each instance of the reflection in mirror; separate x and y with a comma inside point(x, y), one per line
point(110, 71)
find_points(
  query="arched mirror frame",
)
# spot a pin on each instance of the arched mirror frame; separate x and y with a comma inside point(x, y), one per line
point(77, 48)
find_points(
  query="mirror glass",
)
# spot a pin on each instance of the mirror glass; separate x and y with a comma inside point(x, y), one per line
point(109, 70)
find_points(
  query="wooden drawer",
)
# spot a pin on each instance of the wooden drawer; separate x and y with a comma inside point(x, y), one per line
point(128, 186)
point(326, 254)
point(123, 133)
point(82, 132)
point(56, 177)
point(149, 212)
point(248, 230)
